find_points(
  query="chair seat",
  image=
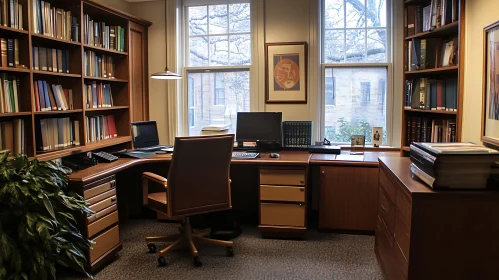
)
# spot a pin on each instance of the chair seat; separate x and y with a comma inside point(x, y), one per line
point(157, 202)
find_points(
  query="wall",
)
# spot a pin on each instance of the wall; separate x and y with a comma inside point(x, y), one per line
point(478, 14)
point(121, 5)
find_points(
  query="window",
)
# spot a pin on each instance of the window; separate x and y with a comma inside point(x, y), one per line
point(355, 59)
point(218, 61)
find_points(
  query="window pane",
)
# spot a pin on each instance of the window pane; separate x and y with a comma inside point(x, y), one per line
point(376, 45)
point(334, 14)
point(355, 12)
point(198, 51)
point(240, 49)
point(239, 18)
point(219, 50)
point(330, 89)
point(376, 13)
point(356, 45)
point(360, 103)
point(334, 46)
point(236, 97)
point(218, 19)
point(198, 20)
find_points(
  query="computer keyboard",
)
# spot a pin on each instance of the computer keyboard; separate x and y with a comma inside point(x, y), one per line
point(153, 148)
point(245, 155)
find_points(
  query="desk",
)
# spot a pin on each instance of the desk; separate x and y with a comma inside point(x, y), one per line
point(264, 187)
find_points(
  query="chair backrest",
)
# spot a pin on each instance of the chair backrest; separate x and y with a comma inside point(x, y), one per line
point(199, 175)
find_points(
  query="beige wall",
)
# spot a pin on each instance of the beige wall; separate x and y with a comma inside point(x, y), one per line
point(121, 5)
point(479, 13)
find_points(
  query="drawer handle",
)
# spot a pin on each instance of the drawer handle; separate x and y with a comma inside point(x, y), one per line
point(383, 207)
point(302, 189)
point(113, 184)
point(301, 181)
point(113, 199)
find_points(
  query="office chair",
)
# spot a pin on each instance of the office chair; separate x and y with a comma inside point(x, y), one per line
point(198, 182)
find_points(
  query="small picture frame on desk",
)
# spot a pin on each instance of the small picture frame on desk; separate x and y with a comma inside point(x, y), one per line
point(377, 136)
point(357, 142)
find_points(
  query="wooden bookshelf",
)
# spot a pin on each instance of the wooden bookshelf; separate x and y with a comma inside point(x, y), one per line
point(413, 119)
point(124, 110)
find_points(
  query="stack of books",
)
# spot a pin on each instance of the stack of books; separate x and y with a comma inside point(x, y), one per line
point(57, 133)
point(98, 95)
point(10, 53)
point(431, 94)
point(9, 94)
point(215, 129)
point(97, 65)
point(52, 60)
point(431, 53)
point(12, 136)
point(98, 34)
point(11, 14)
point(54, 22)
point(438, 13)
point(52, 97)
point(100, 128)
point(453, 165)
point(423, 129)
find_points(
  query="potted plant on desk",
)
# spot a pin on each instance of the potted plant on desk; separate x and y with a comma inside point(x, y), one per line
point(37, 227)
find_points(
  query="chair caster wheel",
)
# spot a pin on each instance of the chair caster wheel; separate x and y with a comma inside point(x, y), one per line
point(152, 248)
point(230, 251)
point(196, 261)
point(161, 261)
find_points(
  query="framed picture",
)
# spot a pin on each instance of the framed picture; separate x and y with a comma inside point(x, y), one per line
point(377, 136)
point(490, 110)
point(286, 72)
point(358, 141)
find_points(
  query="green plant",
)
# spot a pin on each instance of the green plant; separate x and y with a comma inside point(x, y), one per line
point(37, 220)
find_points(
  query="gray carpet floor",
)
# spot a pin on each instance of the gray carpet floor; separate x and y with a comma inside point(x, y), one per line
point(319, 256)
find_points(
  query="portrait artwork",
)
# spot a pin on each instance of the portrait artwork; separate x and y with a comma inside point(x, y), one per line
point(490, 114)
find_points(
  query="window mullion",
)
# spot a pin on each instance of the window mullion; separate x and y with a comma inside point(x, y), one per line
point(228, 37)
point(344, 30)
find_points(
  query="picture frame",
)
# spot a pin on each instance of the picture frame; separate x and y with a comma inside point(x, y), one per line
point(377, 136)
point(358, 141)
point(490, 100)
point(286, 72)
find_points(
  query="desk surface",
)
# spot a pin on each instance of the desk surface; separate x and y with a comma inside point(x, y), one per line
point(287, 158)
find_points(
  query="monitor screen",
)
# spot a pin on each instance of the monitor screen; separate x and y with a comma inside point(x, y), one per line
point(145, 134)
point(253, 126)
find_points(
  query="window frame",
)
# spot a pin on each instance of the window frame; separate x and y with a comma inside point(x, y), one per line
point(388, 64)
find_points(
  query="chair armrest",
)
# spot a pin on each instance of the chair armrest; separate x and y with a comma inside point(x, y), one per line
point(146, 176)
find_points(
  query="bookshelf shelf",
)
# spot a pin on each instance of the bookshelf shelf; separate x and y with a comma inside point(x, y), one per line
point(103, 50)
point(406, 148)
point(108, 142)
point(39, 72)
point(434, 70)
point(58, 112)
point(107, 108)
point(42, 37)
point(431, 111)
point(105, 79)
point(18, 114)
point(14, 30)
point(14, 69)
point(447, 29)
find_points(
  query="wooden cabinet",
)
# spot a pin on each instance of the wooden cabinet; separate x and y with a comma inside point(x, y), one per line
point(138, 72)
point(427, 234)
point(348, 198)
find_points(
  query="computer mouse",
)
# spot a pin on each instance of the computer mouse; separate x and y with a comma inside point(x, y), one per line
point(274, 155)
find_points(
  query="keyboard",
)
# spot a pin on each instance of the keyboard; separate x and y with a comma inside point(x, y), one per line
point(245, 155)
point(153, 148)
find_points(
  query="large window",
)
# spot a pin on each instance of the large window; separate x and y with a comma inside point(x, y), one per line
point(218, 61)
point(355, 61)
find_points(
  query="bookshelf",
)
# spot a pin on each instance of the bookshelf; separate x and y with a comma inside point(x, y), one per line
point(433, 71)
point(66, 78)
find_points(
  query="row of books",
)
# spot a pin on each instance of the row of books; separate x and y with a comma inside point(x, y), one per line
point(431, 94)
point(297, 133)
point(9, 49)
point(98, 95)
point(52, 60)
point(11, 14)
point(12, 136)
point(52, 97)
point(422, 19)
point(454, 165)
point(100, 128)
point(430, 130)
point(431, 53)
point(54, 22)
point(9, 94)
point(57, 133)
point(99, 65)
point(98, 34)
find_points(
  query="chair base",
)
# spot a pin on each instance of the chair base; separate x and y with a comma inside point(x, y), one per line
point(186, 237)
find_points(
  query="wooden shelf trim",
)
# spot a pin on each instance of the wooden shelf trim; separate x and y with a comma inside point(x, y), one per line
point(98, 49)
point(106, 79)
point(58, 112)
point(49, 38)
point(15, 114)
point(436, 31)
point(434, 70)
point(40, 72)
point(107, 108)
point(21, 31)
point(14, 69)
point(431, 111)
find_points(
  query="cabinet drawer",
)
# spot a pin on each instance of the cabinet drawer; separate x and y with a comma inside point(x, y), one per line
point(104, 243)
point(381, 229)
point(387, 184)
point(282, 214)
point(99, 189)
point(400, 261)
point(102, 213)
point(282, 193)
point(102, 223)
point(383, 247)
point(103, 204)
point(402, 236)
point(404, 206)
point(283, 177)
point(101, 197)
point(386, 209)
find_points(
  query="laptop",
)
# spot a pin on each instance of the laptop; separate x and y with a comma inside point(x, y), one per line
point(145, 137)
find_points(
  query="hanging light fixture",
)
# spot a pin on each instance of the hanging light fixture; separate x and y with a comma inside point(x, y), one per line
point(167, 74)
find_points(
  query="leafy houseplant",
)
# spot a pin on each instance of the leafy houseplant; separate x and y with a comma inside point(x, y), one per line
point(37, 223)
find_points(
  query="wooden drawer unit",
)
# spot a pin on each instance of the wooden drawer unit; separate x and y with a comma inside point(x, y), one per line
point(104, 242)
point(386, 209)
point(282, 193)
point(283, 177)
point(102, 223)
point(101, 187)
point(387, 185)
point(101, 197)
point(102, 213)
point(282, 214)
point(103, 204)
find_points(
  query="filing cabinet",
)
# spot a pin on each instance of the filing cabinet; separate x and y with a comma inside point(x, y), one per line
point(282, 200)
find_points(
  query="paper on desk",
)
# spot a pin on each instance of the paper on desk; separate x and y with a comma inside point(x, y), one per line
point(168, 150)
point(350, 157)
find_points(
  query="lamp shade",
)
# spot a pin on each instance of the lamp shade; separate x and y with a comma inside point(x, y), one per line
point(166, 75)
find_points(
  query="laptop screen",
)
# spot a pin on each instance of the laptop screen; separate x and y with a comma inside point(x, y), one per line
point(145, 134)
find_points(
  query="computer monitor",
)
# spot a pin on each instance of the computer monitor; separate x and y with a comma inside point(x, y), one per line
point(259, 126)
point(145, 134)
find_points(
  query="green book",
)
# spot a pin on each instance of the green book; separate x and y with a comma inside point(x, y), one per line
point(122, 38)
